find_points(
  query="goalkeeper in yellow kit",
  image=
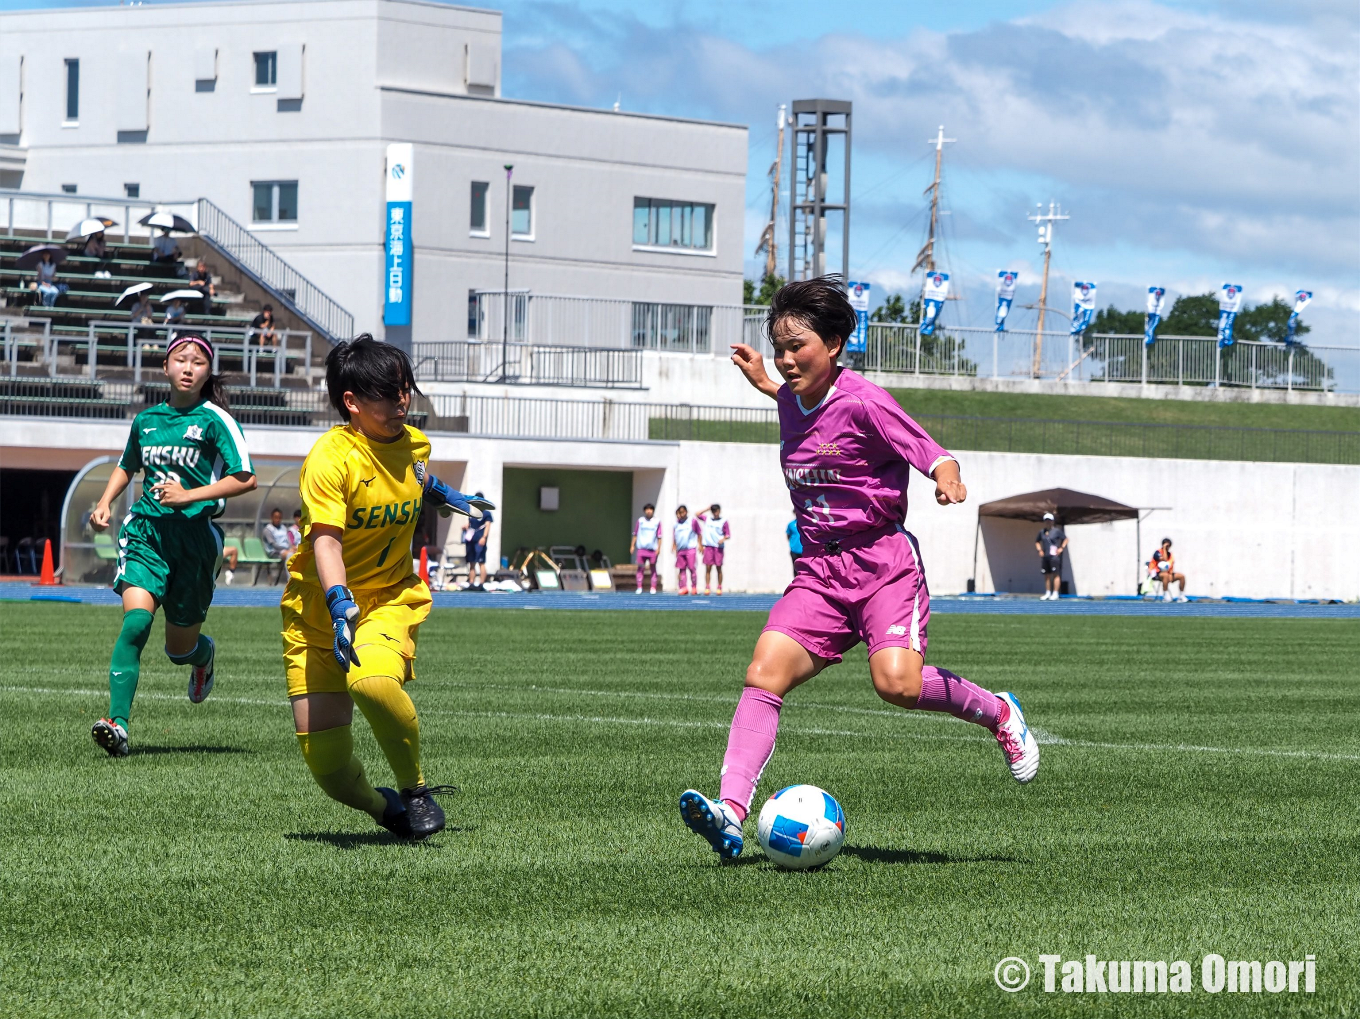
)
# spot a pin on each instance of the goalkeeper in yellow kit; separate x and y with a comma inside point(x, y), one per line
point(353, 604)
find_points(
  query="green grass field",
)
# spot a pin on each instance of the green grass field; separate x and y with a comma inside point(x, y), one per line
point(206, 875)
point(1031, 406)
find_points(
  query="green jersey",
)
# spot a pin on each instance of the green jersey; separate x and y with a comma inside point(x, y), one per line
point(195, 446)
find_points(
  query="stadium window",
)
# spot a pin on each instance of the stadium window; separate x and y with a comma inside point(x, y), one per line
point(266, 70)
point(68, 189)
point(522, 212)
point(72, 91)
point(474, 315)
point(477, 221)
point(274, 201)
point(132, 191)
point(676, 327)
point(662, 223)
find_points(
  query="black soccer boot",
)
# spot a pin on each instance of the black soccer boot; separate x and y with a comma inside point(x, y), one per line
point(424, 815)
point(395, 818)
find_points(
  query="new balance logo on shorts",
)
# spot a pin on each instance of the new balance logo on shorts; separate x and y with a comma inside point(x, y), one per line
point(897, 631)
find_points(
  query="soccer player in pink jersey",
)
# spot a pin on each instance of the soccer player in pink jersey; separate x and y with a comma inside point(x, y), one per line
point(685, 537)
point(646, 543)
point(847, 450)
point(713, 535)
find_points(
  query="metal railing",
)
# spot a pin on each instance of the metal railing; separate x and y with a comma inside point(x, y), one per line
point(542, 418)
point(126, 346)
point(42, 214)
point(528, 363)
point(1172, 360)
point(261, 264)
point(562, 320)
point(35, 334)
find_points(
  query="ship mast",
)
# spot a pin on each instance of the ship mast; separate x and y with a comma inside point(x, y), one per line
point(767, 242)
point(1046, 239)
point(925, 258)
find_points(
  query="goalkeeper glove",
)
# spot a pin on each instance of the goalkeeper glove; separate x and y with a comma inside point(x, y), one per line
point(450, 500)
point(343, 615)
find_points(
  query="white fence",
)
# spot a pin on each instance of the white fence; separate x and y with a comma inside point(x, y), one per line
point(29, 213)
point(527, 363)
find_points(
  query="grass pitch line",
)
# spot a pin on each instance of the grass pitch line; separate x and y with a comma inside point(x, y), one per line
point(1043, 737)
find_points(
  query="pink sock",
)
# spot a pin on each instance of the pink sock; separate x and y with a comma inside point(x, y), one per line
point(749, 746)
point(941, 690)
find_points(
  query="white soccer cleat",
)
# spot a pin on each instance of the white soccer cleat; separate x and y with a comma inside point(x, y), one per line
point(1017, 742)
point(714, 821)
point(1166, 595)
point(201, 676)
point(1182, 598)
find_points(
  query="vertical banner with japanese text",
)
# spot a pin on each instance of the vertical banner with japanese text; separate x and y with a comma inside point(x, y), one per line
point(858, 293)
point(1083, 306)
point(1156, 300)
point(933, 295)
point(1005, 294)
point(397, 275)
point(1229, 304)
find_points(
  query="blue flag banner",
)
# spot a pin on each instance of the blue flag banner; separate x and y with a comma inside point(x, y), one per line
point(858, 293)
point(1301, 300)
point(397, 276)
point(1229, 304)
point(1005, 293)
point(1155, 302)
point(1083, 306)
point(932, 300)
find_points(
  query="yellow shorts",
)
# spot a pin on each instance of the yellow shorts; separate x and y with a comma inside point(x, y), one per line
point(388, 616)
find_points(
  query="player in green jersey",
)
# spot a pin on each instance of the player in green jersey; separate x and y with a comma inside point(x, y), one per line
point(195, 459)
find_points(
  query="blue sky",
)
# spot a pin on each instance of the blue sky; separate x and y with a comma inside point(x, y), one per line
point(1192, 143)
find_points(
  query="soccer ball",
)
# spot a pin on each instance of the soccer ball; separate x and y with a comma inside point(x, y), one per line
point(801, 826)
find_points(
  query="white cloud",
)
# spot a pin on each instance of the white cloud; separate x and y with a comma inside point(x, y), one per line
point(1212, 137)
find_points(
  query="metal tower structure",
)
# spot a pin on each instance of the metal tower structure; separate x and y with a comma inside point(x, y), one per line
point(817, 124)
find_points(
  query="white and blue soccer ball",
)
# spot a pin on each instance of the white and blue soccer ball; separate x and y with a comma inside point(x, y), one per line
point(801, 826)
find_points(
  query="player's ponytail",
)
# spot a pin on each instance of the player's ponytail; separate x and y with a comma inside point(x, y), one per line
point(215, 391)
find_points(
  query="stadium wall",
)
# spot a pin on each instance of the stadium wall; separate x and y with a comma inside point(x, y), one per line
point(1241, 529)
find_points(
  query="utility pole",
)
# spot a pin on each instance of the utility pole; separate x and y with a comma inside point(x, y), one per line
point(1046, 239)
point(768, 244)
point(505, 290)
point(925, 258)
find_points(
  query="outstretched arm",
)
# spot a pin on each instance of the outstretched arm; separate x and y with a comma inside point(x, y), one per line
point(175, 495)
point(752, 365)
point(949, 487)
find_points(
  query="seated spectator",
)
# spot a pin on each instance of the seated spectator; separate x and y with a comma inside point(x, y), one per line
point(47, 286)
point(295, 529)
point(165, 252)
point(276, 540)
point(201, 280)
point(97, 247)
point(1163, 565)
point(263, 325)
point(174, 313)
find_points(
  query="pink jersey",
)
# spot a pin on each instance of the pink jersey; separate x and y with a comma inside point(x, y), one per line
point(846, 462)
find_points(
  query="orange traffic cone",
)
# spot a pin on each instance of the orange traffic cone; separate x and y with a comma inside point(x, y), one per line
point(49, 577)
point(424, 564)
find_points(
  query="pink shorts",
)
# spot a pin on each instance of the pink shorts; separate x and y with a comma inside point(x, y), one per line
point(646, 555)
point(684, 559)
point(876, 593)
point(713, 555)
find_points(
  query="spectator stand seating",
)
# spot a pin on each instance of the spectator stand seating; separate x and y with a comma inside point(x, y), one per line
point(76, 358)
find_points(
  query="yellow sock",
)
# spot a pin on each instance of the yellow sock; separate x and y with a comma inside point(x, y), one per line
point(377, 690)
point(330, 756)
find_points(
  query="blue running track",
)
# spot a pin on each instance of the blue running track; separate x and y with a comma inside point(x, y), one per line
point(229, 597)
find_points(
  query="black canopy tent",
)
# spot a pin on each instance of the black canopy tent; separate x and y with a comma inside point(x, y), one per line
point(1067, 506)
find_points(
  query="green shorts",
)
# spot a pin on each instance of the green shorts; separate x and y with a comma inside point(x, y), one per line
point(174, 559)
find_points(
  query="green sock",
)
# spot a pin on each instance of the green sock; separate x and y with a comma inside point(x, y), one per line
point(126, 666)
point(198, 656)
